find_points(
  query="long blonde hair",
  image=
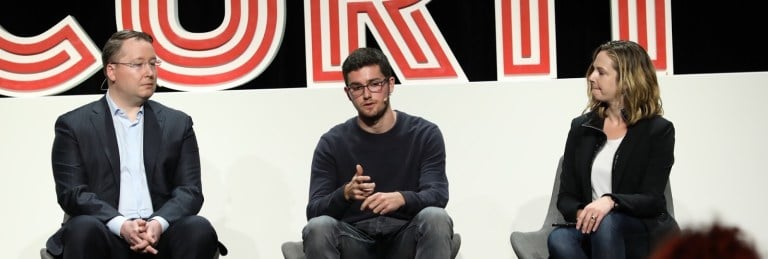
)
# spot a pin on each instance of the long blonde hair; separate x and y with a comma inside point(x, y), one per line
point(636, 81)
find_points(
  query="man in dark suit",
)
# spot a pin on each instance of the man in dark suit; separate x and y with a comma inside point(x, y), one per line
point(127, 169)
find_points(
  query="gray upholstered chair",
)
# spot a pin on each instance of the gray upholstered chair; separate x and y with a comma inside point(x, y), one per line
point(44, 254)
point(295, 249)
point(533, 245)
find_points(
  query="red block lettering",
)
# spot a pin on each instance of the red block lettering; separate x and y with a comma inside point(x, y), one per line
point(404, 29)
point(529, 54)
point(229, 56)
point(50, 63)
point(644, 21)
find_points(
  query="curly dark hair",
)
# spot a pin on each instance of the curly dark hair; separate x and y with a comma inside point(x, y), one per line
point(716, 241)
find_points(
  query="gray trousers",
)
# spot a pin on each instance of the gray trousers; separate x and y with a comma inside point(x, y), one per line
point(428, 235)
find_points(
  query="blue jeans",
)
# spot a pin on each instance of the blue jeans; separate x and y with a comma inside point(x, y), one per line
point(618, 236)
point(427, 235)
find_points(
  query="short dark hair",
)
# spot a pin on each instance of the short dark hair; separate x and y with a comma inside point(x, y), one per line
point(115, 42)
point(365, 57)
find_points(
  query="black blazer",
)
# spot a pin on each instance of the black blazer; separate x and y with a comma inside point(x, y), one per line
point(86, 164)
point(640, 171)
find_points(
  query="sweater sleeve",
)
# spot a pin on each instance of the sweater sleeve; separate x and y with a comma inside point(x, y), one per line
point(433, 183)
point(325, 197)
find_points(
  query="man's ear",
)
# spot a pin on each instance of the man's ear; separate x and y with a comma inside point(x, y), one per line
point(109, 72)
point(346, 91)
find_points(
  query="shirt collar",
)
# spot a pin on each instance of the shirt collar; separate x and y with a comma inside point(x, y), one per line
point(114, 110)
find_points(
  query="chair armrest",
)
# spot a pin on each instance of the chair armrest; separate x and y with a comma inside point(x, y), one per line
point(293, 250)
point(531, 245)
point(44, 254)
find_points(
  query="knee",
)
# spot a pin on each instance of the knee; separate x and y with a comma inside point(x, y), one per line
point(320, 225)
point(561, 241)
point(556, 238)
point(434, 218)
point(609, 228)
point(196, 222)
point(319, 233)
point(83, 228)
point(433, 214)
point(611, 220)
point(199, 229)
point(85, 224)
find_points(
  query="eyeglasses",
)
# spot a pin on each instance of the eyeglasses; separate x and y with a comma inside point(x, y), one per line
point(153, 64)
point(357, 89)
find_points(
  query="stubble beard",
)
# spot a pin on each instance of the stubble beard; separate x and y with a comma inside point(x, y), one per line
point(373, 119)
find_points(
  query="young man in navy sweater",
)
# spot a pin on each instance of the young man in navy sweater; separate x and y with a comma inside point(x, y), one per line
point(378, 187)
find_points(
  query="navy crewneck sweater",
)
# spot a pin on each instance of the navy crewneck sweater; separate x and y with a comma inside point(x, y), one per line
point(409, 158)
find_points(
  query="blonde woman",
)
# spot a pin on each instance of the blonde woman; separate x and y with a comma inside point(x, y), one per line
point(617, 161)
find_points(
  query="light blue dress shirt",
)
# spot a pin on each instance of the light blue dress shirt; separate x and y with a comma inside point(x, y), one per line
point(135, 201)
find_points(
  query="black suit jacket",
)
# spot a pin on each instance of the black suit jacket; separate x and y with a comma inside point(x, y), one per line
point(640, 171)
point(86, 164)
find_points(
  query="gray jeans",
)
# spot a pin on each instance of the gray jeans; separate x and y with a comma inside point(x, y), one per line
point(427, 235)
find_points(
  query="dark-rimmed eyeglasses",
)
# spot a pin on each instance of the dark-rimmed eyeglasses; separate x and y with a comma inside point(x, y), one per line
point(375, 86)
point(152, 64)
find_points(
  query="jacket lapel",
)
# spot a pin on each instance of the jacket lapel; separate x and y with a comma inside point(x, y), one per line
point(153, 125)
point(104, 128)
point(594, 139)
point(625, 150)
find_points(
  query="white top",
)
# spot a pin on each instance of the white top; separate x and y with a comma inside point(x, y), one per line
point(602, 168)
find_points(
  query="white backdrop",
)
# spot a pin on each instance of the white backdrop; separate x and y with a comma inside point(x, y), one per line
point(503, 140)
